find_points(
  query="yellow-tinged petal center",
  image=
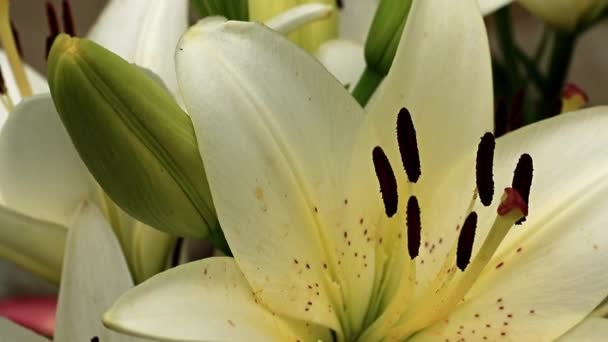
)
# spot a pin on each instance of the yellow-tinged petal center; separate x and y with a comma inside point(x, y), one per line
point(411, 309)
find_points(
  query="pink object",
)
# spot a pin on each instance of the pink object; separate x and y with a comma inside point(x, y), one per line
point(34, 313)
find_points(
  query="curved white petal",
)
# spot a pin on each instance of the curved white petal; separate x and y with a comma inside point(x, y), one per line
point(344, 59)
point(206, 300)
point(592, 329)
point(442, 74)
point(11, 332)
point(549, 272)
point(41, 173)
point(355, 19)
point(35, 245)
point(94, 275)
point(489, 6)
point(144, 32)
point(276, 134)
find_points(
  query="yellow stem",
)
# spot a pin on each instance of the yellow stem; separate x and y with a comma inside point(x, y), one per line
point(8, 42)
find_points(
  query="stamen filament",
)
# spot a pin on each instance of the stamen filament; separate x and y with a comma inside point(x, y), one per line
point(12, 53)
point(440, 304)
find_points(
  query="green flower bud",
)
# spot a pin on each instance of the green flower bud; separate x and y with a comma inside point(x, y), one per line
point(385, 33)
point(229, 9)
point(133, 137)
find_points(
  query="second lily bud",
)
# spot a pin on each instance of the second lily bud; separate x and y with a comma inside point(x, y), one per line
point(134, 138)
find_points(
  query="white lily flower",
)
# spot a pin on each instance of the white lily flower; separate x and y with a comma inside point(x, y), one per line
point(42, 178)
point(294, 165)
point(95, 273)
point(566, 15)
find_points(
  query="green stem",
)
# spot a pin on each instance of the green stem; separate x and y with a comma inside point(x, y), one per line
point(507, 45)
point(559, 64)
point(532, 70)
point(369, 81)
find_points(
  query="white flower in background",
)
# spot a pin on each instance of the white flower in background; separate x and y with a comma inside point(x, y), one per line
point(318, 249)
point(95, 273)
point(42, 178)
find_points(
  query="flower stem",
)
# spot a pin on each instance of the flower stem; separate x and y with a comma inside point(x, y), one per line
point(559, 64)
point(369, 81)
point(507, 47)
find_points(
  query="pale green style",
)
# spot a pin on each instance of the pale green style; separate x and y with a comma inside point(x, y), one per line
point(42, 178)
point(288, 155)
point(565, 15)
point(95, 273)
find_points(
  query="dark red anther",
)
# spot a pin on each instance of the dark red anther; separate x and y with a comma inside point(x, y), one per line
point(387, 180)
point(484, 168)
point(465, 241)
point(414, 227)
point(408, 145)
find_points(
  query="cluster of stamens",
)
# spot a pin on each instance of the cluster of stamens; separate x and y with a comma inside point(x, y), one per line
point(9, 37)
point(447, 289)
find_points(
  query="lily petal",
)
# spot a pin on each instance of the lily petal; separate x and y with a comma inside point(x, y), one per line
point(344, 59)
point(592, 329)
point(548, 273)
point(445, 79)
point(41, 173)
point(11, 332)
point(290, 115)
point(94, 275)
point(144, 32)
point(19, 233)
point(172, 305)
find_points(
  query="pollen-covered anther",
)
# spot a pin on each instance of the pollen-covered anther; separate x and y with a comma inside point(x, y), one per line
point(522, 178)
point(387, 181)
point(408, 145)
point(511, 201)
point(414, 227)
point(484, 169)
point(465, 241)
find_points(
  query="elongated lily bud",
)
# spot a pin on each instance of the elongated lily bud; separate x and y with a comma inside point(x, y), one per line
point(385, 33)
point(229, 9)
point(136, 141)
